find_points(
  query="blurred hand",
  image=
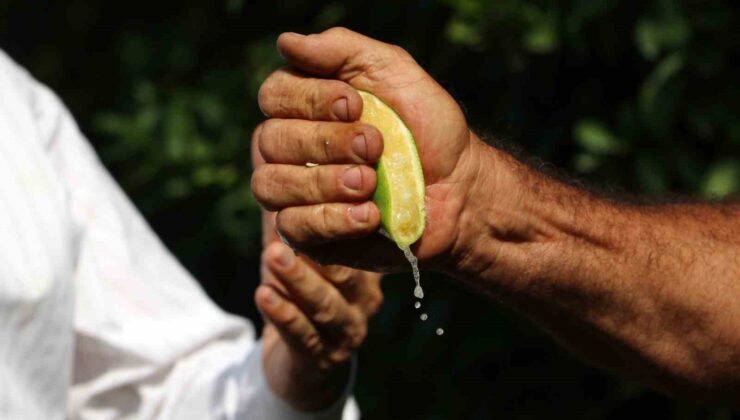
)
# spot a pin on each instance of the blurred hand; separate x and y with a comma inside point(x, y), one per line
point(313, 107)
point(316, 316)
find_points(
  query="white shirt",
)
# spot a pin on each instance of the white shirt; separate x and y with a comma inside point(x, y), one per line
point(97, 319)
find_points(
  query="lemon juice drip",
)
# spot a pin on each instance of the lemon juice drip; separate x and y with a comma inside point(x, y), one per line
point(418, 291)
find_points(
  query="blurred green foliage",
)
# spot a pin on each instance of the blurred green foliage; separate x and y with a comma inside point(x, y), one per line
point(641, 96)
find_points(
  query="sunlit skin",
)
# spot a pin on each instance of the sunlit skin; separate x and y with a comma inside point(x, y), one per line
point(650, 292)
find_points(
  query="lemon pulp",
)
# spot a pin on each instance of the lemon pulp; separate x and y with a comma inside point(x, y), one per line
point(399, 193)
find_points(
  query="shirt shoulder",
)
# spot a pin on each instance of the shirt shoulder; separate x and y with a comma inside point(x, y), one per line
point(25, 98)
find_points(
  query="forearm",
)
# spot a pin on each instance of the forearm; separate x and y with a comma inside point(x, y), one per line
point(650, 292)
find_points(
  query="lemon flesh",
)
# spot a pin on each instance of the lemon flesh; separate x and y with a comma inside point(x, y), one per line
point(399, 193)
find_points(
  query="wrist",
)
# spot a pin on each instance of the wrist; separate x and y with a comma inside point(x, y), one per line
point(314, 387)
point(511, 219)
point(473, 249)
point(302, 383)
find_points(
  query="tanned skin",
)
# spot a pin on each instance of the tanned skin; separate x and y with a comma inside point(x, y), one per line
point(649, 292)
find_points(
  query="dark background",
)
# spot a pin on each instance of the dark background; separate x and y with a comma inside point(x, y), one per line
point(635, 96)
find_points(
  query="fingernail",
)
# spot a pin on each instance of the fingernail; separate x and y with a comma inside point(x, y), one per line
point(286, 257)
point(352, 178)
point(272, 298)
point(360, 213)
point(359, 146)
point(340, 108)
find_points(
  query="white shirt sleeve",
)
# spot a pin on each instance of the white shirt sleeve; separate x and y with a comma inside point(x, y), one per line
point(148, 341)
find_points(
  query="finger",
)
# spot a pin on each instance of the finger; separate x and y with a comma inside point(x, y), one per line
point(360, 288)
point(268, 277)
point(269, 233)
point(307, 226)
point(278, 186)
point(297, 142)
point(287, 94)
point(322, 303)
point(257, 158)
point(292, 324)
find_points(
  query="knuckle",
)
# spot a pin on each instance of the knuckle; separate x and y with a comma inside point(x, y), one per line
point(325, 310)
point(320, 227)
point(358, 335)
point(266, 133)
point(339, 356)
point(313, 98)
point(320, 137)
point(399, 51)
point(317, 184)
point(297, 275)
point(374, 302)
point(268, 129)
point(257, 133)
point(288, 319)
point(282, 225)
point(258, 184)
point(312, 342)
point(264, 95)
point(280, 134)
point(328, 222)
point(340, 274)
point(337, 30)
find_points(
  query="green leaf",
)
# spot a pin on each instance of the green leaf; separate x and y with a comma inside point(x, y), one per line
point(463, 33)
point(596, 138)
point(668, 31)
point(658, 79)
point(647, 39)
point(722, 179)
point(586, 162)
point(541, 36)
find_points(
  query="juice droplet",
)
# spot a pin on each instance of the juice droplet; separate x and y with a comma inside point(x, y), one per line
point(440, 331)
point(417, 305)
point(418, 292)
point(424, 317)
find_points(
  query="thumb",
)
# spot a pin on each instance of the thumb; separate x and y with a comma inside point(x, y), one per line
point(346, 55)
point(334, 52)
